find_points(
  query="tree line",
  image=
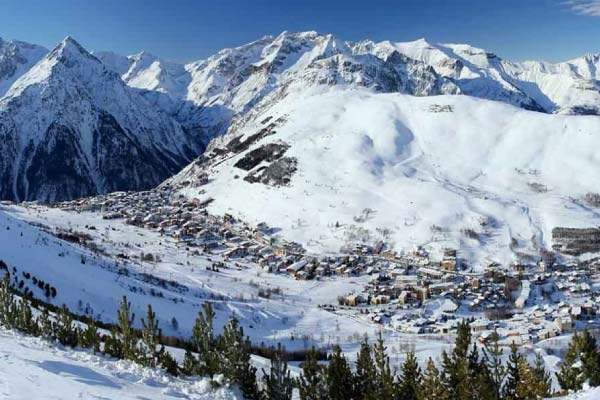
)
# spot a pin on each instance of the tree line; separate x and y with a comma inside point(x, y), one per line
point(467, 371)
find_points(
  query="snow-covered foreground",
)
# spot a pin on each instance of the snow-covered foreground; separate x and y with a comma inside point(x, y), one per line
point(484, 177)
point(31, 368)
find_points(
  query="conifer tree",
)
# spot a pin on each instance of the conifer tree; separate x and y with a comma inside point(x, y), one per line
point(6, 303)
point(113, 344)
point(455, 372)
point(366, 374)
point(88, 337)
point(24, 318)
point(235, 361)
point(63, 328)
point(590, 357)
point(150, 339)
point(167, 362)
point(45, 325)
point(492, 355)
point(311, 384)
point(541, 378)
point(570, 376)
point(338, 377)
point(410, 379)
point(384, 382)
point(128, 337)
point(204, 341)
point(278, 383)
point(190, 364)
point(432, 386)
point(513, 374)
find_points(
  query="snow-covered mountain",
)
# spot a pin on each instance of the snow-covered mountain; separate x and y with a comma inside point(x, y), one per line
point(208, 94)
point(332, 166)
point(71, 127)
point(16, 58)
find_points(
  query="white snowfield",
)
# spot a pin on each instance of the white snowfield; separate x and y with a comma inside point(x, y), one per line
point(31, 368)
point(443, 171)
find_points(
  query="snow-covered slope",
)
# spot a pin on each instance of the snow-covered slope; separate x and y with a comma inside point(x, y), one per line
point(70, 127)
point(16, 58)
point(482, 176)
point(34, 369)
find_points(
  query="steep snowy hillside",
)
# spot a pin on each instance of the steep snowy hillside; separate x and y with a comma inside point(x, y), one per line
point(34, 369)
point(70, 127)
point(16, 58)
point(336, 166)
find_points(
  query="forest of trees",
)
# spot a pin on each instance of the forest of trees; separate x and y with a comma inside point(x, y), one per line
point(467, 372)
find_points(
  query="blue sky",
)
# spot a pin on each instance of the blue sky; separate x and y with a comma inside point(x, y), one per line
point(184, 30)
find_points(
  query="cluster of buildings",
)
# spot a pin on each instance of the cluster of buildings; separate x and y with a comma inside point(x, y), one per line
point(409, 292)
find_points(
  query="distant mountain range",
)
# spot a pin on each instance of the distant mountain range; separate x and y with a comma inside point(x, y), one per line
point(76, 124)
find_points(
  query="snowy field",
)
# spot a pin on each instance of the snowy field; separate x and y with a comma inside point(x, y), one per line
point(31, 368)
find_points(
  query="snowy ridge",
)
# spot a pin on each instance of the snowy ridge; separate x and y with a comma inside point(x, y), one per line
point(16, 58)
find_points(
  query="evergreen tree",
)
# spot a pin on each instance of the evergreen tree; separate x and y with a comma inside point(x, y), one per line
point(570, 375)
point(63, 328)
point(513, 374)
point(190, 364)
point(88, 337)
point(541, 378)
point(492, 355)
point(167, 362)
point(7, 300)
point(150, 339)
point(204, 341)
point(311, 383)
point(45, 324)
point(384, 378)
point(366, 374)
point(432, 386)
point(113, 344)
point(338, 377)
point(128, 336)
point(409, 387)
point(235, 362)
point(278, 384)
point(455, 372)
point(590, 357)
point(24, 318)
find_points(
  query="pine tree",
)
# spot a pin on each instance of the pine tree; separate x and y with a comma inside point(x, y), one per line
point(570, 375)
point(24, 318)
point(541, 378)
point(409, 387)
point(432, 386)
point(113, 344)
point(311, 384)
point(338, 377)
point(167, 362)
point(45, 324)
point(63, 328)
point(384, 382)
point(455, 372)
point(128, 337)
point(513, 374)
point(204, 341)
point(150, 339)
point(190, 364)
point(88, 337)
point(590, 357)
point(492, 355)
point(366, 374)
point(278, 383)
point(235, 362)
point(6, 303)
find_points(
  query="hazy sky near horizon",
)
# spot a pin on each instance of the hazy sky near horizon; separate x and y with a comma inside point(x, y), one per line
point(185, 30)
